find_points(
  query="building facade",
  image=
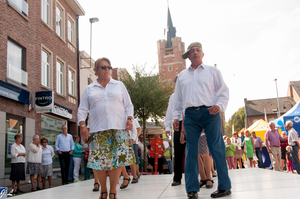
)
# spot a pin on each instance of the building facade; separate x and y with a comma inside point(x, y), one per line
point(39, 79)
point(169, 52)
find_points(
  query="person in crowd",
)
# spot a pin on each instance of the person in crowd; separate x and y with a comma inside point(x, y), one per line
point(230, 149)
point(201, 93)
point(151, 160)
point(134, 133)
point(47, 159)
point(272, 140)
point(289, 160)
point(77, 153)
point(283, 145)
point(18, 154)
point(64, 145)
point(141, 147)
point(258, 149)
point(110, 115)
point(204, 163)
point(34, 160)
point(85, 157)
point(249, 146)
point(238, 154)
point(179, 148)
point(294, 144)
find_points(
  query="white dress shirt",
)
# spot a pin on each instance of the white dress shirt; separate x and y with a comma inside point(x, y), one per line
point(133, 132)
point(237, 142)
point(47, 155)
point(168, 119)
point(197, 87)
point(108, 107)
point(293, 137)
point(14, 151)
point(34, 154)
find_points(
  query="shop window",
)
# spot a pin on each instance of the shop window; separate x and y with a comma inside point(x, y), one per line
point(16, 63)
point(51, 128)
point(14, 125)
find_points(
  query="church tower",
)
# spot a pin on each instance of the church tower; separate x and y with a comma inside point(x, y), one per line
point(169, 52)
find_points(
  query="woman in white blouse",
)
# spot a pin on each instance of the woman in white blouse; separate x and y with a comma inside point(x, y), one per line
point(47, 156)
point(34, 160)
point(110, 115)
point(18, 154)
point(238, 154)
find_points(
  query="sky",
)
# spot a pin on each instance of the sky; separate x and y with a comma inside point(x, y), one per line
point(252, 42)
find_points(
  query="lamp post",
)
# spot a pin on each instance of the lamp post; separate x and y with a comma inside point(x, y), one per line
point(92, 20)
point(278, 111)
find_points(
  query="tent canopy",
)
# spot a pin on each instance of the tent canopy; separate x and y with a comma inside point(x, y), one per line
point(260, 127)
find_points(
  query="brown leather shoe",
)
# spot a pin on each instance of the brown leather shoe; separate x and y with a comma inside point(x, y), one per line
point(176, 183)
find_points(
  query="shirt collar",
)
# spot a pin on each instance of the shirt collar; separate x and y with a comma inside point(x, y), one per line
point(111, 81)
point(201, 65)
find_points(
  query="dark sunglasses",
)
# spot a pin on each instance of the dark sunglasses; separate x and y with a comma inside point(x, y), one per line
point(44, 142)
point(104, 67)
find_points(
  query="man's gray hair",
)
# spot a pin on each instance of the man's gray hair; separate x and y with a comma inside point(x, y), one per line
point(35, 135)
point(289, 123)
point(271, 123)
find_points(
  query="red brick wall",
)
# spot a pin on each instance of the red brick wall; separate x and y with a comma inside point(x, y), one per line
point(30, 34)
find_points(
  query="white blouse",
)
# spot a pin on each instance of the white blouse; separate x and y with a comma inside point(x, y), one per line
point(14, 151)
point(237, 142)
point(34, 154)
point(108, 107)
point(47, 155)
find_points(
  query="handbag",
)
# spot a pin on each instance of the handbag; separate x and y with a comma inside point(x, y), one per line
point(255, 158)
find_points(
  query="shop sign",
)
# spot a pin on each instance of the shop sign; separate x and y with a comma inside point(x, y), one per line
point(51, 123)
point(62, 111)
point(13, 92)
point(44, 100)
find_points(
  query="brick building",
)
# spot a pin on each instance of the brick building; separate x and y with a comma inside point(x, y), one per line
point(39, 52)
point(169, 53)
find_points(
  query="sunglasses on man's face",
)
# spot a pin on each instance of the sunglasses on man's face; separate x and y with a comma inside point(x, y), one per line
point(44, 142)
point(104, 67)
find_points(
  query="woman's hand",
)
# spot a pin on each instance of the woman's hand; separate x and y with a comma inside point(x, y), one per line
point(84, 133)
point(182, 134)
point(129, 125)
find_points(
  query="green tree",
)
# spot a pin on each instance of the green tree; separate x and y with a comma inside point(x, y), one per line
point(237, 120)
point(149, 95)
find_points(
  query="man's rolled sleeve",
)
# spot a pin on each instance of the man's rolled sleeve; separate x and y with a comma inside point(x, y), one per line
point(83, 107)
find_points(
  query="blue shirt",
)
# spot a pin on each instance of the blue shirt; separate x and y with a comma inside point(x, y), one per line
point(64, 144)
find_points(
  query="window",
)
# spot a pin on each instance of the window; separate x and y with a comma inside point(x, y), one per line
point(46, 64)
point(59, 21)
point(71, 30)
point(15, 63)
point(20, 5)
point(71, 82)
point(46, 11)
point(170, 68)
point(59, 77)
point(89, 81)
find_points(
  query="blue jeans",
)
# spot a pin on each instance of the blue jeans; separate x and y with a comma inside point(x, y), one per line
point(194, 122)
point(295, 156)
point(259, 157)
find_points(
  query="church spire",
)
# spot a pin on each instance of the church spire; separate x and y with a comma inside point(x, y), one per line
point(170, 30)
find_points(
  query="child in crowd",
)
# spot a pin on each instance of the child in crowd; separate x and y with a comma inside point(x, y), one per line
point(230, 149)
point(289, 160)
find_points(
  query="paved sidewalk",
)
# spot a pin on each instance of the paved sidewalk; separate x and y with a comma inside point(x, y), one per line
point(56, 181)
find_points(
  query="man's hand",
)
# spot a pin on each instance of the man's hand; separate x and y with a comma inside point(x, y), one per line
point(84, 133)
point(129, 125)
point(71, 152)
point(182, 134)
point(168, 133)
point(176, 125)
point(269, 150)
point(214, 109)
point(59, 152)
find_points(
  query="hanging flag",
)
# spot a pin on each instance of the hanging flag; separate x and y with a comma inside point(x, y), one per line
point(266, 119)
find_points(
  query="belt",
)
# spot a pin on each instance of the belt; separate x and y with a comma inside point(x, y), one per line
point(275, 146)
point(196, 107)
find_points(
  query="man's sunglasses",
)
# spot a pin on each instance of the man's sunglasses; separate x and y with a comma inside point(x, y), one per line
point(104, 67)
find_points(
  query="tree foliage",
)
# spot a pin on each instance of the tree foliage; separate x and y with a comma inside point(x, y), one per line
point(237, 120)
point(149, 95)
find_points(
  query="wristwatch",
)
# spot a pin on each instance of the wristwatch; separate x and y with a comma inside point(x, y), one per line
point(82, 126)
point(130, 119)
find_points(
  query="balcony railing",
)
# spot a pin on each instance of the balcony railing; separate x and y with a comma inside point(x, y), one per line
point(20, 5)
point(16, 74)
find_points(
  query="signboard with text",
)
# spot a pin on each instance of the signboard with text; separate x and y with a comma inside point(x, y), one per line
point(44, 100)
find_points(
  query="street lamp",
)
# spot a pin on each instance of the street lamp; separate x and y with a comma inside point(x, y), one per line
point(278, 112)
point(92, 20)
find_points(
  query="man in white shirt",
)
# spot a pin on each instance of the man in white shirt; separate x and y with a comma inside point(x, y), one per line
point(294, 144)
point(201, 93)
point(179, 148)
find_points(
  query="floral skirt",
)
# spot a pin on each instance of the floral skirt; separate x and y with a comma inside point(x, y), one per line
point(110, 149)
point(34, 168)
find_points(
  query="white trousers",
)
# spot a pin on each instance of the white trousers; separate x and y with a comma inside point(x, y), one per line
point(77, 163)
